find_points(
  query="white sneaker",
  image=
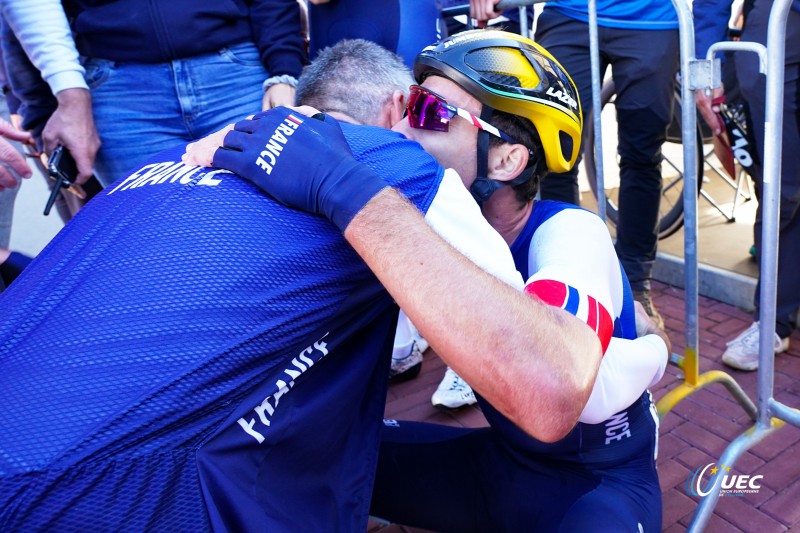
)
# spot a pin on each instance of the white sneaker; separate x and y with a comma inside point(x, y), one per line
point(742, 352)
point(407, 367)
point(453, 392)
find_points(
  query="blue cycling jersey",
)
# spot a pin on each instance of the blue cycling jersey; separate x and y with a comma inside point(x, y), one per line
point(630, 14)
point(188, 354)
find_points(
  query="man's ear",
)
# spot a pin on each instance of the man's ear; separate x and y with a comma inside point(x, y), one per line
point(392, 110)
point(507, 161)
point(398, 106)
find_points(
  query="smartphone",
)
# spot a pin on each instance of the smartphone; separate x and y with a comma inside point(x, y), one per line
point(62, 165)
point(62, 168)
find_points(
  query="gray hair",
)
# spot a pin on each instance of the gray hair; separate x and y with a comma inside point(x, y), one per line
point(354, 77)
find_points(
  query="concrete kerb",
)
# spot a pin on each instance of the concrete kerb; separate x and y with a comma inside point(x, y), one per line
point(715, 283)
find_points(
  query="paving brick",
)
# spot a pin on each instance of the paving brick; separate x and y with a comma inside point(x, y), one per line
point(670, 445)
point(711, 417)
point(676, 505)
point(700, 437)
point(669, 423)
point(672, 474)
point(718, 316)
point(693, 458)
point(785, 505)
point(716, 524)
point(724, 405)
point(742, 514)
point(783, 470)
point(730, 328)
point(777, 442)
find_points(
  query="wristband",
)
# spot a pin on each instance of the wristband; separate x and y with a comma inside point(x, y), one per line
point(275, 80)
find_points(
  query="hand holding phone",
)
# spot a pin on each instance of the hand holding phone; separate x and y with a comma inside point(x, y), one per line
point(62, 168)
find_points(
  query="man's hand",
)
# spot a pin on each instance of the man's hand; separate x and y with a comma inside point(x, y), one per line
point(201, 153)
point(72, 125)
point(707, 110)
point(301, 162)
point(280, 94)
point(645, 326)
point(483, 11)
point(11, 157)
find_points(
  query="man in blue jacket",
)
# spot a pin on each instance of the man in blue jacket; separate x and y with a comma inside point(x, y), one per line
point(203, 63)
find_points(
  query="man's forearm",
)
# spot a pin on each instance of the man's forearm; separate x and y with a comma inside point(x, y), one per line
point(534, 363)
point(44, 33)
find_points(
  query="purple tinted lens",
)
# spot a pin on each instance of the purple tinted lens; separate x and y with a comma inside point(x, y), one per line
point(427, 112)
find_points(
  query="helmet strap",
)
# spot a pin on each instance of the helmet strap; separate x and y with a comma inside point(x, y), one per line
point(483, 187)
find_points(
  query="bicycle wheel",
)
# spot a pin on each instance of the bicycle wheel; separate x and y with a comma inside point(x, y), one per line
point(671, 209)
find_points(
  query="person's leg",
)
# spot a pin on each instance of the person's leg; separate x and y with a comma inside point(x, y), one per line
point(753, 88)
point(142, 109)
point(568, 41)
point(743, 351)
point(456, 479)
point(643, 67)
point(627, 499)
point(406, 351)
point(7, 197)
point(427, 476)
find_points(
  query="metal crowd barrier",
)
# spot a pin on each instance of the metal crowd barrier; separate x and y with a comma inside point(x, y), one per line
point(704, 74)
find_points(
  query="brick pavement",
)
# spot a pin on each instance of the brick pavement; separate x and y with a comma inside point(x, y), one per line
point(693, 434)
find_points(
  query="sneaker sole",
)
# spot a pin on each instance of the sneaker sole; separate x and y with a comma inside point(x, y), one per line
point(443, 407)
point(407, 374)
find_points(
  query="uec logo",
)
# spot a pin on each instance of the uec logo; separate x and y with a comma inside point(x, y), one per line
point(735, 484)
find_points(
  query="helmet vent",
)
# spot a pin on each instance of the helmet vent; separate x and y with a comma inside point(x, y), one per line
point(504, 66)
point(567, 145)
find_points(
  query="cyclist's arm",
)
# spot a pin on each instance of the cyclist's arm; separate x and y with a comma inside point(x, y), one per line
point(572, 255)
point(513, 350)
point(627, 369)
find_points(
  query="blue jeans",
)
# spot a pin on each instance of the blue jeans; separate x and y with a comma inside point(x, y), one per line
point(141, 109)
point(7, 197)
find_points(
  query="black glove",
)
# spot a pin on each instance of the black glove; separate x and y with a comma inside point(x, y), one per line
point(305, 164)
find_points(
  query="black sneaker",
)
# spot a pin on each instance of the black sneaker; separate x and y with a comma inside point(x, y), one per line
point(643, 297)
point(408, 367)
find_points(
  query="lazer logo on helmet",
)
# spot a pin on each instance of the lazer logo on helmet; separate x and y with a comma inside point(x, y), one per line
point(274, 147)
point(562, 96)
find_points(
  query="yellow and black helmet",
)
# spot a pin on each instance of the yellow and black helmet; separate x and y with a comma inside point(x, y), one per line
point(510, 73)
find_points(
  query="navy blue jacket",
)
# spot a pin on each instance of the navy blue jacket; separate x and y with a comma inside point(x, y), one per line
point(154, 31)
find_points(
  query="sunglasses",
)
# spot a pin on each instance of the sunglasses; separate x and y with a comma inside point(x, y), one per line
point(427, 110)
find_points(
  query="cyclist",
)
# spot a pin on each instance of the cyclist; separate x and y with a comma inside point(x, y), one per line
point(602, 476)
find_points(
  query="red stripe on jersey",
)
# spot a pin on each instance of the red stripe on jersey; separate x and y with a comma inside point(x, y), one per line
point(600, 321)
point(549, 291)
point(556, 293)
point(591, 314)
point(605, 327)
point(294, 119)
